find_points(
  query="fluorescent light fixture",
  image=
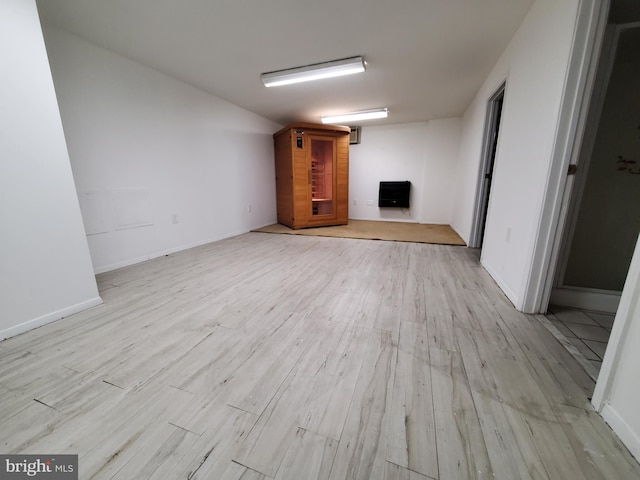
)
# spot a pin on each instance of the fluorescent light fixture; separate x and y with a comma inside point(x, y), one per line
point(356, 116)
point(336, 68)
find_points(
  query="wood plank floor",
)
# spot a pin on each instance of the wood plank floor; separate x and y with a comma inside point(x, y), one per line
point(287, 357)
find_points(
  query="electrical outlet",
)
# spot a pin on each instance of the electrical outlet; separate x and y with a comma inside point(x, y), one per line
point(355, 202)
point(249, 208)
point(174, 218)
point(508, 236)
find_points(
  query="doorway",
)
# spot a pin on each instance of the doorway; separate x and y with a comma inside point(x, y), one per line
point(489, 149)
point(603, 222)
point(604, 217)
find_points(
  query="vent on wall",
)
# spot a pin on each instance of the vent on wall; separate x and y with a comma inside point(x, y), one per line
point(394, 194)
point(355, 135)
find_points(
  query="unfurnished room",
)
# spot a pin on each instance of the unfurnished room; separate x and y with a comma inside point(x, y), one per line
point(319, 240)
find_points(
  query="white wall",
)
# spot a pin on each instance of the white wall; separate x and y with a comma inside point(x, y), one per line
point(45, 268)
point(440, 169)
point(534, 65)
point(425, 153)
point(163, 149)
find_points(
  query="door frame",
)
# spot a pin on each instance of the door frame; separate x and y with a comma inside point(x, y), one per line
point(489, 149)
point(587, 46)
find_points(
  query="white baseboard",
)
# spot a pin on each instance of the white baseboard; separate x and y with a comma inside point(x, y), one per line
point(624, 431)
point(513, 298)
point(151, 256)
point(600, 301)
point(48, 318)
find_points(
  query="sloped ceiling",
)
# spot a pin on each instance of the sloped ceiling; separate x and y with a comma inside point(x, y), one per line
point(425, 58)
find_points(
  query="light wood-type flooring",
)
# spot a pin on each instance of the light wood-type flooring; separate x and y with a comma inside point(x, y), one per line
point(289, 357)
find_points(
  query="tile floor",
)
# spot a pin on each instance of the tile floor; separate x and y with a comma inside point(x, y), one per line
point(586, 330)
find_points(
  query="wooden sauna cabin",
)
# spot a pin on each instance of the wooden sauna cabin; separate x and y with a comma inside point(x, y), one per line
point(312, 175)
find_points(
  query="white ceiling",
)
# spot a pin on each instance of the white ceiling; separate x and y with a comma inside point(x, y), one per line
point(425, 58)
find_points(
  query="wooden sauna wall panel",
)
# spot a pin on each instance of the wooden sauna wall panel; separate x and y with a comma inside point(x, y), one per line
point(284, 180)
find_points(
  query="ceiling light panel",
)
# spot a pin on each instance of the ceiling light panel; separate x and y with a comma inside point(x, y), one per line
point(356, 116)
point(318, 71)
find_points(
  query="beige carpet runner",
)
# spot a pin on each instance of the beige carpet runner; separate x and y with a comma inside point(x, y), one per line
point(374, 230)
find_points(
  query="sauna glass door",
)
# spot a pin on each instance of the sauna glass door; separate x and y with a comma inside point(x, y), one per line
point(322, 175)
